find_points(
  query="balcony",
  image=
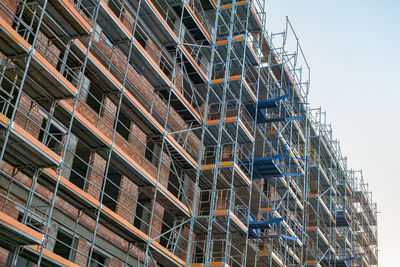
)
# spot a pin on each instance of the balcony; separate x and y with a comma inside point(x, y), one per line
point(283, 187)
point(231, 172)
point(195, 20)
point(92, 129)
point(154, 63)
point(49, 258)
point(140, 99)
point(39, 70)
point(223, 211)
point(256, 13)
point(237, 85)
point(218, 256)
point(271, 159)
point(36, 137)
point(116, 221)
point(161, 19)
point(320, 204)
point(14, 232)
point(239, 44)
point(62, 18)
point(237, 123)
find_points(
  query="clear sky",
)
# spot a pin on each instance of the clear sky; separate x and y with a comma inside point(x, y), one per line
point(353, 49)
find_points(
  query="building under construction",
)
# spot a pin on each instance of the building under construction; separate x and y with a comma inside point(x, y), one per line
point(168, 133)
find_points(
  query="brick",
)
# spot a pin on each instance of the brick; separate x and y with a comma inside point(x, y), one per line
point(3, 256)
point(178, 81)
point(135, 145)
point(145, 88)
point(69, 156)
point(127, 19)
point(87, 112)
point(165, 169)
point(108, 114)
point(157, 221)
point(96, 175)
point(191, 192)
point(154, 51)
point(12, 6)
point(137, 138)
point(184, 244)
point(47, 49)
point(72, 212)
point(113, 262)
point(81, 255)
point(9, 206)
point(127, 200)
point(28, 116)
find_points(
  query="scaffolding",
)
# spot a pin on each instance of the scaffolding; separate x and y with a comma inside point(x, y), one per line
point(168, 133)
point(333, 203)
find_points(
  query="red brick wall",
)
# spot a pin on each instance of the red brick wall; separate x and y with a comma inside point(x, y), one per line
point(190, 194)
point(127, 20)
point(87, 112)
point(114, 262)
point(175, 121)
point(42, 44)
point(165, 169)
point(108, 117)
point(10, 206)
point(178, 81)
point(144, 87)
point(137, 139)
point(127, 200)
point(135, 145)
point(82, 252)
point(72, 212)
point(12, 212)
point(3, 256)
point(137, 142)
point(184, 244)
point(141, 84)
point(89, 223)
point(153, 50)
point(271, 193)
point(194, 143)
point(157, 221)
point(258, 183)
point(95, 176)
point(12, 6)
point(96, 179)
point(47, 49)
point(150, 168)
point(28, 117)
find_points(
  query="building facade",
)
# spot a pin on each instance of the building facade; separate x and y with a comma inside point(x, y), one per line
point(168, 133)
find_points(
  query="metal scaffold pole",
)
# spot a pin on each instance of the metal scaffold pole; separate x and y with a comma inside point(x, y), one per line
point(67, 139)
point(169, 133)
